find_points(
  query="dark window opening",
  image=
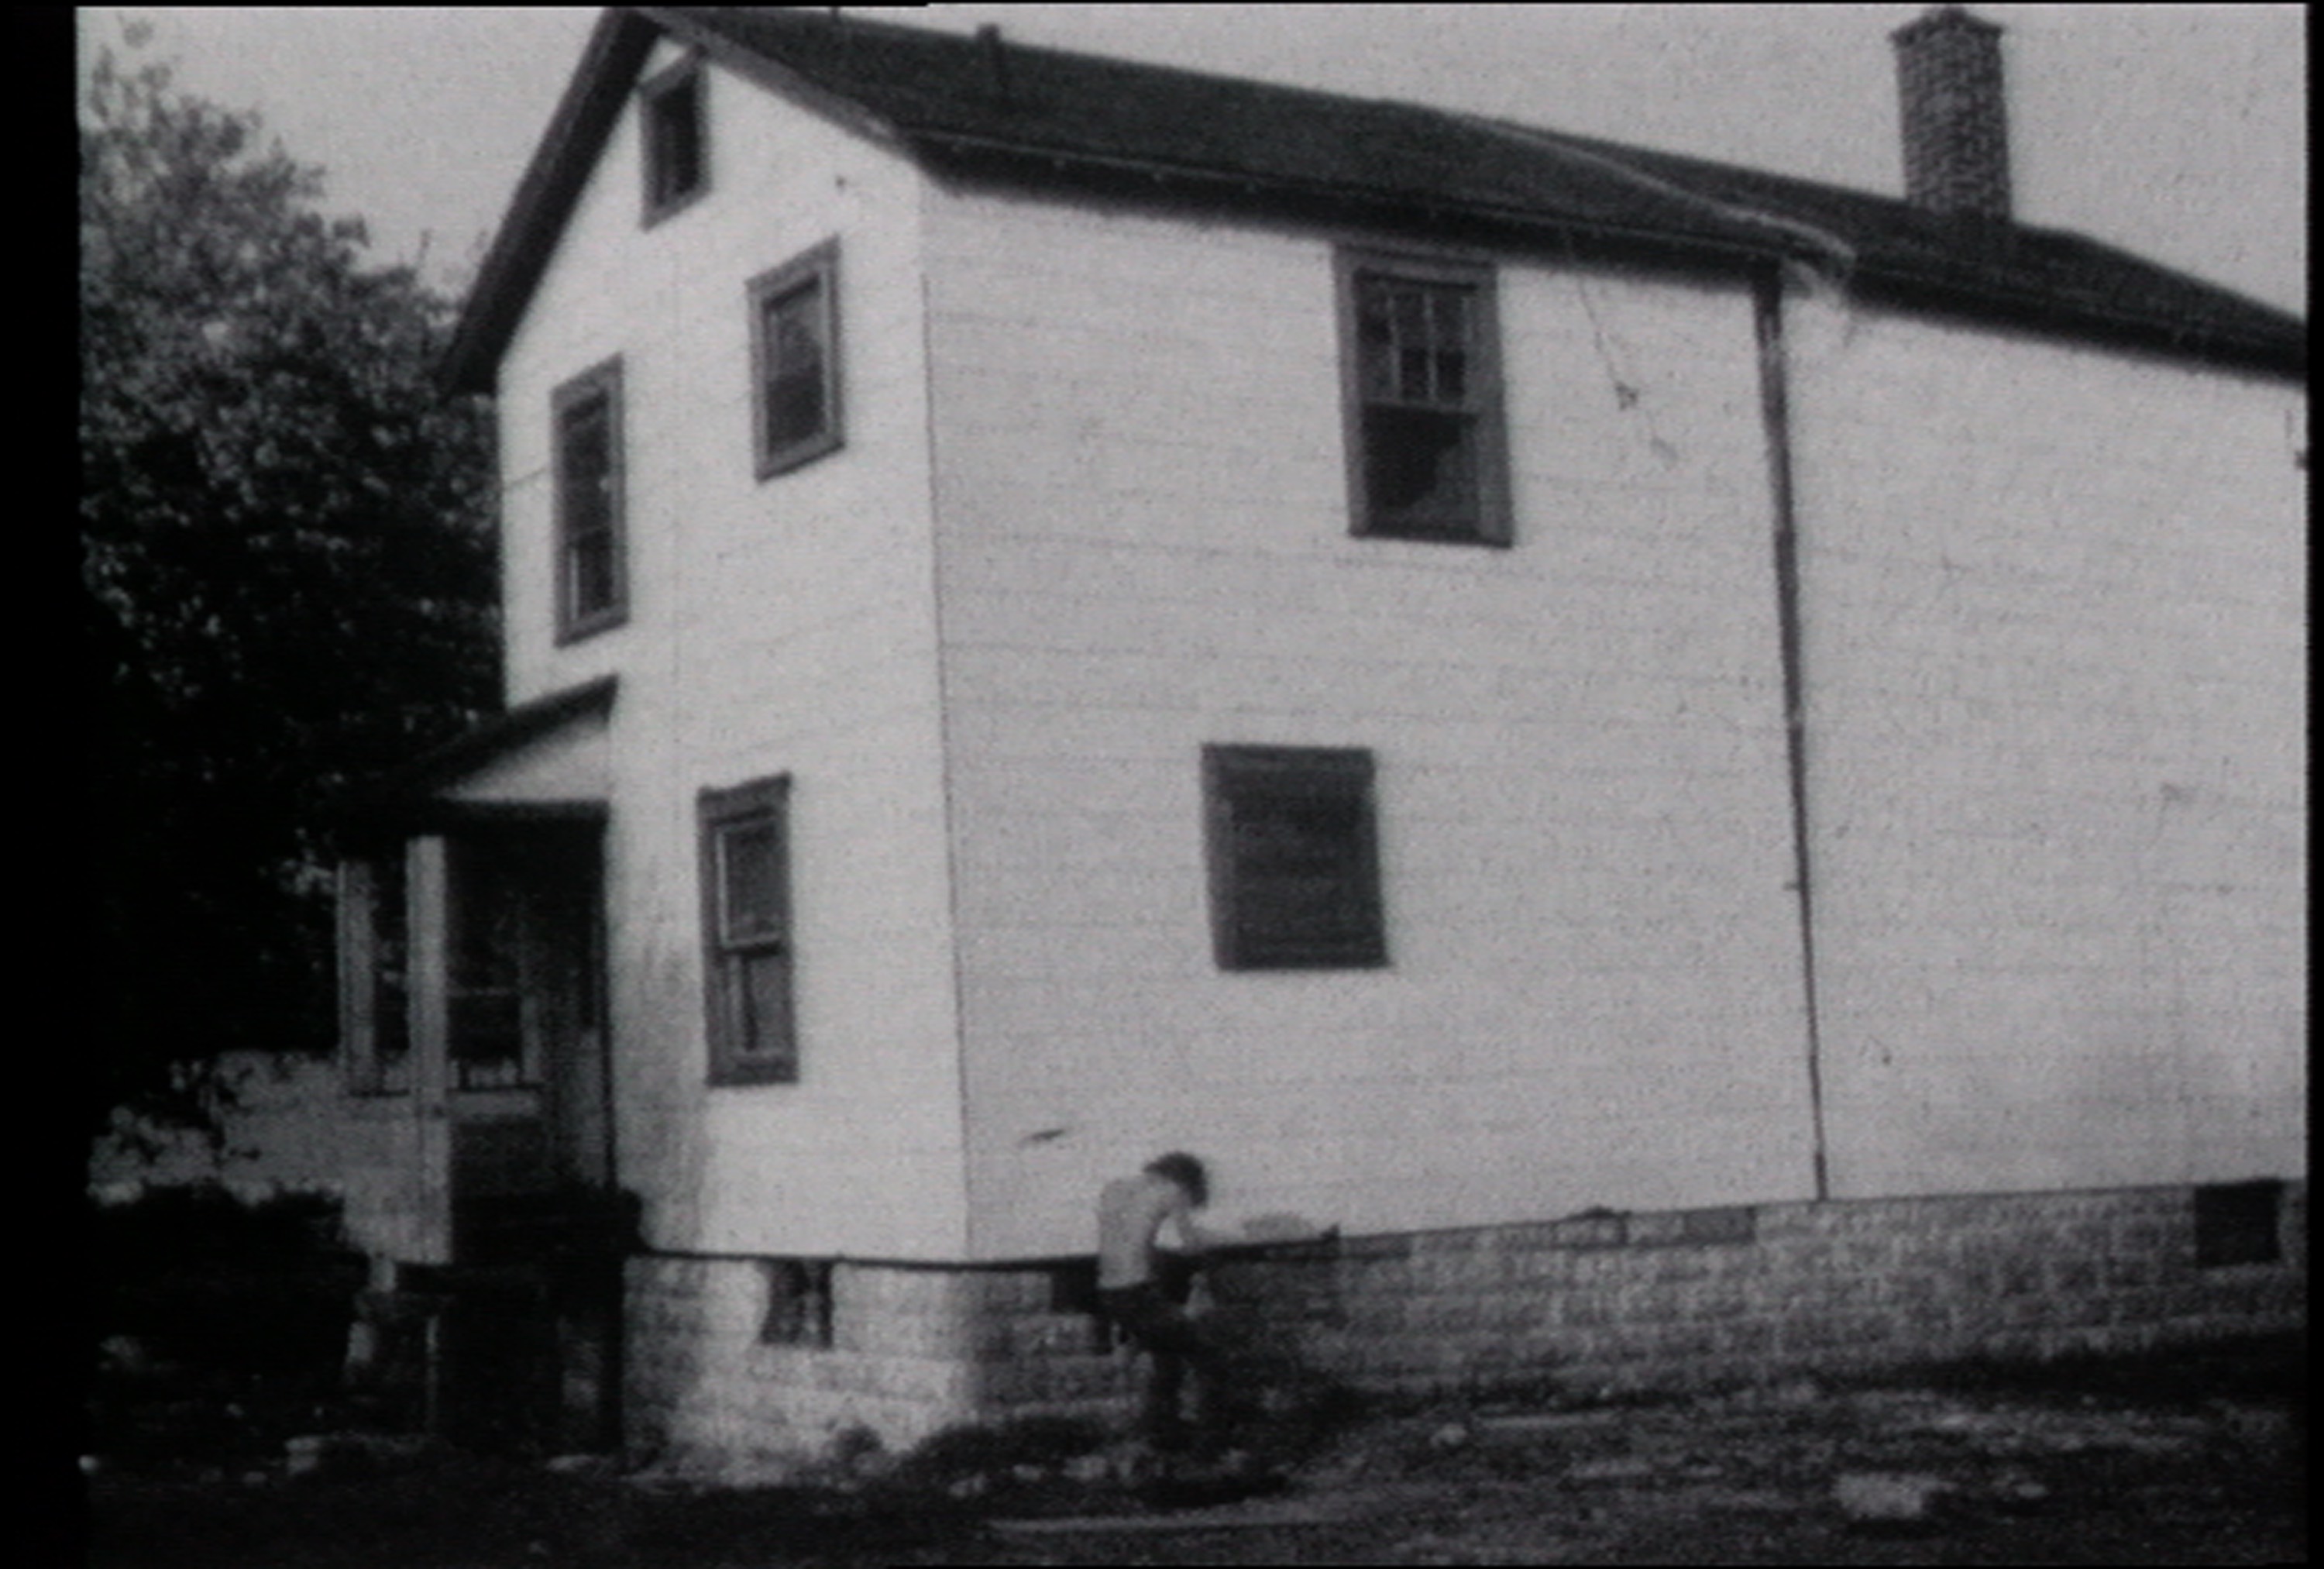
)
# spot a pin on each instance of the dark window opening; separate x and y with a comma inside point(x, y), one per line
point(1295, 861)
point(2235, 1223)
point(798, 1302)
point(676, 140)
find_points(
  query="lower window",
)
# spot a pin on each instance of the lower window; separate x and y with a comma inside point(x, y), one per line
point(747, 932)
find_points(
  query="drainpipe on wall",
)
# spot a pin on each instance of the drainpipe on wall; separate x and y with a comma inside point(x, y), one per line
point(1775, 410)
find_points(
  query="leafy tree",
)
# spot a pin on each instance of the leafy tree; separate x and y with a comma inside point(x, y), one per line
point(287, 573)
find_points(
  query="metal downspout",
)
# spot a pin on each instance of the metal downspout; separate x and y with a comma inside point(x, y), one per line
point(1775, 409)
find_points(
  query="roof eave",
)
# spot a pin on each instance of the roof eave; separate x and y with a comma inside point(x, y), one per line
point(2089, 320)
point(544, 198)
point(1029, 164)
point(1727, 246)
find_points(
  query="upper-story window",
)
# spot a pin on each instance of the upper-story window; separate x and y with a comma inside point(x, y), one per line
point(592, 580)
point(671, 114)
point(795, 360)
point(1420, 361)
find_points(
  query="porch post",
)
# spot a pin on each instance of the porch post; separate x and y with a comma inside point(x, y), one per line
point(428, 926)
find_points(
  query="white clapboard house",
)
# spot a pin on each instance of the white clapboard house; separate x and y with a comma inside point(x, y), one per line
point(1058, 609)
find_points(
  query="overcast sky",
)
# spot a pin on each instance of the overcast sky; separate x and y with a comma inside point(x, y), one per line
point(2178, 132)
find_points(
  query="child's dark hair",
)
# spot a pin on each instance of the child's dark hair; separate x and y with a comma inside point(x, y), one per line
point(1186, 1171)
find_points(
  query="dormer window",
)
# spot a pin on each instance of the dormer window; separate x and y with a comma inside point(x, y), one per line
point(670, 111)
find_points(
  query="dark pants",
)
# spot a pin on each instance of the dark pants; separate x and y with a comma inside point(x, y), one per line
point(1175, 1345)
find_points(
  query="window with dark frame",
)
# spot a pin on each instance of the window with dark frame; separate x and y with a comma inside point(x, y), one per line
point(677, 143)
point(795, 360)
point(1294, 858)
point(592, 591)
point(1421, 367)
point(746, 916)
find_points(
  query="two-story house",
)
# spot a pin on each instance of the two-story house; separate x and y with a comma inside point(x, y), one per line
point(1059, 609)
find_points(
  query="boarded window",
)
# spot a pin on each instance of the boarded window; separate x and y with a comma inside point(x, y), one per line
point(1424, 425)
point(676, 143)
point(747, 934)
point(794, 348)
point(1295, 859)
point(588, 415)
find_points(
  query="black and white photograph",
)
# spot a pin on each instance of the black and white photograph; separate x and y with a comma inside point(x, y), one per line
point(1193, 784)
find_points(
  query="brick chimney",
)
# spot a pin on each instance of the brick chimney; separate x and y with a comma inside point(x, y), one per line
point(1956, 133)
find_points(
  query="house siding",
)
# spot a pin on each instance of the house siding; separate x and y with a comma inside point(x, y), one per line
point(2055, 626)
point(1092, 516)
point(775, 627)
point(1594, 992)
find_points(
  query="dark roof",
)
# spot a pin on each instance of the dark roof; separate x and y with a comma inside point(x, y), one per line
point(977, 107)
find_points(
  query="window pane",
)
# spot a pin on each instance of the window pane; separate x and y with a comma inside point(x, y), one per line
point(587, 461)
point(795, 360)
point(590, 562)
point(677, 151)
point(1420, 470)
point(588, 516)
point(1413, 342)
point(1451, 377)
point(750, 866)
point(758, 1004)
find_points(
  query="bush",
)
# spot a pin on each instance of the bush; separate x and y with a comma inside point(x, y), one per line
point(200, 1277)
point(218, 1326)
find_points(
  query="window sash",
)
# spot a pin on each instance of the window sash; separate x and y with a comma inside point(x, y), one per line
point(1421, 381)
point(674, 134)
point(747, 947)
point(795, 361)
point(587, 416)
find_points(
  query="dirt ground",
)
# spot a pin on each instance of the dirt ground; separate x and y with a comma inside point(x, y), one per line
point(2192, 1457)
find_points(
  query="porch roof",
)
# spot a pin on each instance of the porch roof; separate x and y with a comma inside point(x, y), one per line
point(542, 760)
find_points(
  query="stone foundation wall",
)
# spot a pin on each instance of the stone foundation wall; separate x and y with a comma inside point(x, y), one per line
point(730, 1371)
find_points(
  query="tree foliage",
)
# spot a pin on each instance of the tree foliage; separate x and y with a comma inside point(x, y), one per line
point(286, 563)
